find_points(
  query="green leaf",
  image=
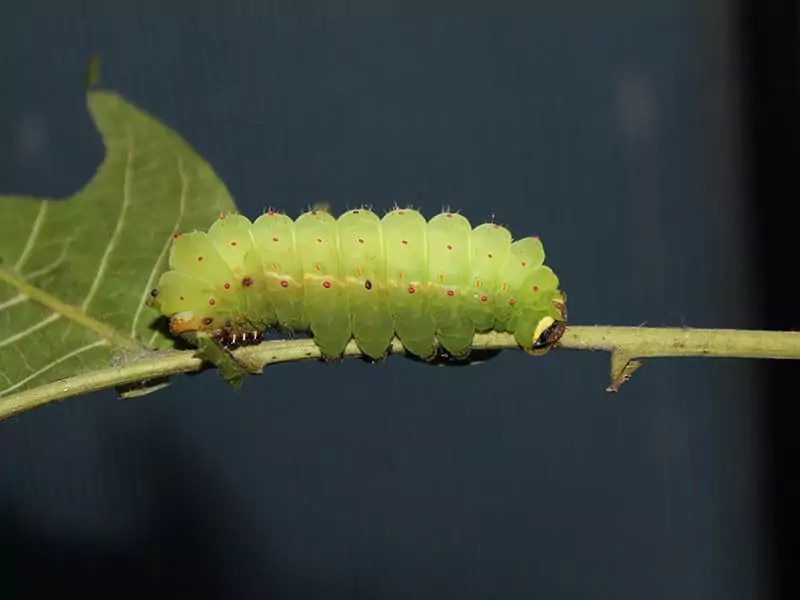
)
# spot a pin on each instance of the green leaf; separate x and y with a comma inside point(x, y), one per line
point(75, 273)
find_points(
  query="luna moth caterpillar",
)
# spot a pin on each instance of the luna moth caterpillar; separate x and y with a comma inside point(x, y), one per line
point(433, 284)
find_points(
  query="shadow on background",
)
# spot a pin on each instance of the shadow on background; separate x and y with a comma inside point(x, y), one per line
point(772, 63)
point(178, 549)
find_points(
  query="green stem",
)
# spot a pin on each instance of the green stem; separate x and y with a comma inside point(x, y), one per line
point(626, 345)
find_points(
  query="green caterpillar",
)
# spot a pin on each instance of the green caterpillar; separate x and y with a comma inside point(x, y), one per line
point(362, 277)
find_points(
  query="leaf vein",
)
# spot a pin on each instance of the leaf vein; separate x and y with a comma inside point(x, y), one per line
point(52, 364)
point(126, 199)
point(25, 333)
point(12, 301)
point(151, 279)
point(37, 226)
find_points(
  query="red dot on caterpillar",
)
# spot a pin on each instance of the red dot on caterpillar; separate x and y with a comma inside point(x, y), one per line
point(450, 293)
point(326, 284)
point(411, 289)
point(284, 283)
point(227, 285)
point(405, 242)
point(271, 213)
point(484, 298)
point(524, 264)
point(511, 302)
point(401, 212)
point(319, 240)
point(274, 239)
point(449, 215)
point(536, 237)
point(177, 235)
point(535, 288)
point(233, 243)
point(449, 246)
point(223, 216)
point(199, 259)
point(211, 302)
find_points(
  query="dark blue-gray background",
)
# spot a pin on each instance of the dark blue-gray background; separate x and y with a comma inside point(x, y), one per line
point(611, 131)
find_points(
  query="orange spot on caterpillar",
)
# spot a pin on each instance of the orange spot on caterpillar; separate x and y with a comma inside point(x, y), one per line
point(405, 242)
point(275, 239)
point(199, 259)
point(182, 298)
point(317, 268)
point(222, 217)
point(536, 237)
point(359, 272)
point(524, 264)
point(227, 285)
point(511, 302)
point(399, 274)
point(490, 255)
point(274, 266)
point(360, 240)
point(177, 235)
point(484, 298)
point(233, 243)
point(247, 282)
point(449, 215)
point(401, 212)
point(284, 283)
point(271, 213)
point(495, 226)
point(319, 240)
point(450, 293)
point(478, 283)
point(211, 302)
point(449, 246)
point(326, 284)
point(411, 289)
point(535, 288)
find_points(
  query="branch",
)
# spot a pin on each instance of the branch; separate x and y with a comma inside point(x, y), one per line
point(626, 344)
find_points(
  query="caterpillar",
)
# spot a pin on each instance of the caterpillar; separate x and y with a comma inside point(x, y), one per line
point(433, 284)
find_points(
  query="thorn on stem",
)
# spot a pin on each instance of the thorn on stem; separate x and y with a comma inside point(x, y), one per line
point(623, 367)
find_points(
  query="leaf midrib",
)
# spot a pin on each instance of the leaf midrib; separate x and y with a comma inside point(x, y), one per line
point(66, 310)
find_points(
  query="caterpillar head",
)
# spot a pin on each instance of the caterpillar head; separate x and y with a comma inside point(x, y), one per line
point(550, 327)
